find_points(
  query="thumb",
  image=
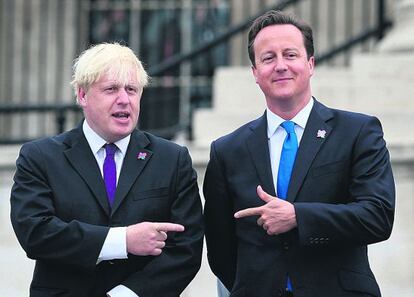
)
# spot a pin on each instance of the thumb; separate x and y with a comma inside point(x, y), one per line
point(263, 195)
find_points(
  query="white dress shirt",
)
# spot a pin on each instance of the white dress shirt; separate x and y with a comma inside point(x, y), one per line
point(276, 135)
point(114, 246)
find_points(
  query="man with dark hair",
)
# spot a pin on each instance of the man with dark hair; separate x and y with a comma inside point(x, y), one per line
point(274, 17)
point(294, 197)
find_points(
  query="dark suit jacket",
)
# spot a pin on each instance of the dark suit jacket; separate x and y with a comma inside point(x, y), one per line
point(343, 192)
point(61, 217)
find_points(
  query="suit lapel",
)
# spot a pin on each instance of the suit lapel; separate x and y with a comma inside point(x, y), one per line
point(134, 162)
point(258, 147)
point(83, 161)
point(309, 146)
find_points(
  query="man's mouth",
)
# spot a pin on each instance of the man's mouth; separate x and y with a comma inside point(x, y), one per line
point(121, 115)
point(282, 79)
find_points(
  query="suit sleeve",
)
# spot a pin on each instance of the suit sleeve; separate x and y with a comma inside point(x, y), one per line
point(367, 217)
point(169, 273)
point(38, 228)
point(219, 221)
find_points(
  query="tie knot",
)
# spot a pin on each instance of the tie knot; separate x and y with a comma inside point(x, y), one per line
point(110, 149)
point(289, 126)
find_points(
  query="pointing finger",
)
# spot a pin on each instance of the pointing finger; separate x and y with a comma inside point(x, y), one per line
point(169, 227)
point(254, 211)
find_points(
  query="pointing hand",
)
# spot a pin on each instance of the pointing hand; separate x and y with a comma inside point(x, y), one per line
point(148, 238)
point(276, 216)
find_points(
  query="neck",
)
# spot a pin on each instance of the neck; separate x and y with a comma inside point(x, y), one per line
point(287, 109)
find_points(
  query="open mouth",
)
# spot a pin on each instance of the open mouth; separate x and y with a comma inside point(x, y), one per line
point(121, 115)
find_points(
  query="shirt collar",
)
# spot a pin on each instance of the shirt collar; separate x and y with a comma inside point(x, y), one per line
point(96, 142)
point(300, 119)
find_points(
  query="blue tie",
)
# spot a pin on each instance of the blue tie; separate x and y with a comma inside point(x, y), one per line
point(287, 159)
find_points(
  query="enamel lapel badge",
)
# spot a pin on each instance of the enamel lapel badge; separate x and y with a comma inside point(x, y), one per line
point(321, 134)
point(141, 155)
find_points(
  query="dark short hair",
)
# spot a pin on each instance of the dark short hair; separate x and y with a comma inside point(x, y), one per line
point(276, 17)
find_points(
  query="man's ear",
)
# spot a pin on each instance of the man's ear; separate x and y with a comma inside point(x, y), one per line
point(254, 72)
point(81, 94)
point(311, 63)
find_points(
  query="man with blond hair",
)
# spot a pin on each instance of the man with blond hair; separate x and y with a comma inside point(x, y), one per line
point(106, 209)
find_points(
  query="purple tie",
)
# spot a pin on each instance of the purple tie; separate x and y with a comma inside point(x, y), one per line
point(109, 171)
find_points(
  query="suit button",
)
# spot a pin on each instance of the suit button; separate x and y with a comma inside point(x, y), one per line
point(285, 245)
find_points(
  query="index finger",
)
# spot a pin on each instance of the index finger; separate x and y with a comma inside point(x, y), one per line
point(254, 211)
point(169, 227)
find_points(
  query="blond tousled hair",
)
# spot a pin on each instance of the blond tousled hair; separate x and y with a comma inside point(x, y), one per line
point(99, 59)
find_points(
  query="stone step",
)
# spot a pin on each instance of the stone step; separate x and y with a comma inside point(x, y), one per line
point(376, 84)
point(234, 89)
point(209, 125)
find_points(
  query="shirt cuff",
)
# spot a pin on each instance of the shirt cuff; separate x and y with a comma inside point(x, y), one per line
point(121, 291)
point(114, 246)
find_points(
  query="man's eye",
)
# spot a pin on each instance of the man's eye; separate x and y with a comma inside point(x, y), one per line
point(131, 90)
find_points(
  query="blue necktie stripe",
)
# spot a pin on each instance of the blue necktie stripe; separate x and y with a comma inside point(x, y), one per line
point(287, 159)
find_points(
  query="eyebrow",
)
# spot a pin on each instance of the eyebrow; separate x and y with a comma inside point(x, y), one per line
point(291, 49)
point(119, 84)
point(132, 86)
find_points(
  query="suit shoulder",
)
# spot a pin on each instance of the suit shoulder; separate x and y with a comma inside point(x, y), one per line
point(327, 112)
point(48, 145)
point(351, 115)
point(45, 142)
point(355, 119)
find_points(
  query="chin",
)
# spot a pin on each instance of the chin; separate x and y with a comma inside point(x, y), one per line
point(283, 97)
point(118, 135)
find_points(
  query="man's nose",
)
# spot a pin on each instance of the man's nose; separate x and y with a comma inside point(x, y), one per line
point(280, 65)
point(123, 97)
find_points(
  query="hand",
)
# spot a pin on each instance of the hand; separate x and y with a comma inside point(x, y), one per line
point(147, 238)
point(276, 216)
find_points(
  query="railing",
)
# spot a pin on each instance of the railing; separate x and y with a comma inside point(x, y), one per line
point(177, 60)
point(65, 116)
point(346, 46)
point(61, 114)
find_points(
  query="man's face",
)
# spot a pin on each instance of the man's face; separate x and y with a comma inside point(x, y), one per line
point(282, 69)
point(111, 108)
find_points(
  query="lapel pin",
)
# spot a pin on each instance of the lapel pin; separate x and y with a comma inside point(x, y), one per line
point(141, 155)
point(321, 134)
